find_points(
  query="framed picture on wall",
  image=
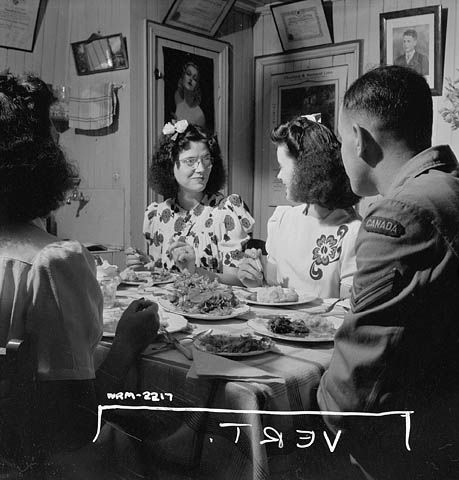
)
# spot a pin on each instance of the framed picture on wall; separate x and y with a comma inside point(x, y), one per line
point(187, 78)
point(199, 16)
point(19, 23)
point(301, 24)
point(100, 54)
point(413, 38)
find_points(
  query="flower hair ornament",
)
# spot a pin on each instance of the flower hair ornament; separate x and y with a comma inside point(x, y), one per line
point(314, 117)
point(174, 128)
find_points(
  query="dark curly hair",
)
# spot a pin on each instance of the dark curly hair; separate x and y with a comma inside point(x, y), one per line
point(161, 174)
point(34, 173)
point(319, 176)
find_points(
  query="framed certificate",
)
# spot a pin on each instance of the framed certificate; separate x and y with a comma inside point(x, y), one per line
point(199, 16)
point(301, 24)
point(19, 23)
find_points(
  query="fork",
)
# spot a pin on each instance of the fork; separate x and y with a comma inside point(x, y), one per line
point(332, 305)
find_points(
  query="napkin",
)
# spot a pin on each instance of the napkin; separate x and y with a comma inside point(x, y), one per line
point(206, 365)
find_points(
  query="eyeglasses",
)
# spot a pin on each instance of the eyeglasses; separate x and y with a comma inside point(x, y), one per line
point(192, 162)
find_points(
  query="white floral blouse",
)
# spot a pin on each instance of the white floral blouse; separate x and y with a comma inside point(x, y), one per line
point(311, 254)
point(217, 228)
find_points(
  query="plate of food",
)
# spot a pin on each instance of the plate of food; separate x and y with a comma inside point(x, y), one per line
point(303, 327)
point(132, 277)
point(198, 297)
point(278, 296)
point(245, 345)
point(169, 321)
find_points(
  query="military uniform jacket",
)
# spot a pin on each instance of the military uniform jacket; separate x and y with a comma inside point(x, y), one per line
point(398, 349)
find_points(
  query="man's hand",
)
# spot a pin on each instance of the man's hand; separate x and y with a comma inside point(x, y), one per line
point(138, 326)
point(183, 256)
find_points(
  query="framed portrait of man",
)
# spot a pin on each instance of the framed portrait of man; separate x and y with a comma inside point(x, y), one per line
point(412, 38)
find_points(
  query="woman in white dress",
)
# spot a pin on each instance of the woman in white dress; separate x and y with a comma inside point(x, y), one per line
point(310, 245)
point(188, 96)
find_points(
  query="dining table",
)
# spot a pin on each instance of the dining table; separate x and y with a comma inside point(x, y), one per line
point(212, 417)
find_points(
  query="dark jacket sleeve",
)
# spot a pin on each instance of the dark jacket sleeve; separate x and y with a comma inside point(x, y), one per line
point(395, 254)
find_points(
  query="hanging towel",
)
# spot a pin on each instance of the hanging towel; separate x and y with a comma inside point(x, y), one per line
point(93, 108)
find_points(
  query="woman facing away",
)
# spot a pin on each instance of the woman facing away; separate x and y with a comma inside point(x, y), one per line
point(196, 218)
point(188, 96)
point(48, 287)
point(310, 245)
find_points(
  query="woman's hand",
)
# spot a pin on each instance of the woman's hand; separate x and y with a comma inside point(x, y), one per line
point(138, 326)
point(184, 256)
point(135, 259)
point(250, 271)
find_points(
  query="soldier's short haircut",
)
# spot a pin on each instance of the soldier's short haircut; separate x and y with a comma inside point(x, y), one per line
point(399, 99)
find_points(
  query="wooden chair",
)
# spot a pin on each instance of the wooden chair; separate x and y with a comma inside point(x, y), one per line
point(20, 448)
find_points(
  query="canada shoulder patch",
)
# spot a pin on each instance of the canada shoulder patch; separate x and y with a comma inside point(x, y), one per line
point(384, 226)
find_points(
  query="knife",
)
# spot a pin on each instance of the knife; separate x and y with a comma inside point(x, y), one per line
point(172, 340)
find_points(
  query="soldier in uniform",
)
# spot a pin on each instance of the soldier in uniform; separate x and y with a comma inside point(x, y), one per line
point(398, 349)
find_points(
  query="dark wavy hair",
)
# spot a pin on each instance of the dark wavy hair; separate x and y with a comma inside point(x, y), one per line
point(161, 174)
point(319, 176)
point(34, 173)
point(399, 99)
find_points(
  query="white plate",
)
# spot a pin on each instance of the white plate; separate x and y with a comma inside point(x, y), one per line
point(302, 298)
point(175, 323)
point(199, 345)
point(145, 277)
point(168, 306)
point(260, 325)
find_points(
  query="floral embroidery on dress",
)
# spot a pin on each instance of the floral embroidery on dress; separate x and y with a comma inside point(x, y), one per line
point(237, 254)
point(328, 251)
point(235, 200)
point(179, 224)
point(198, 209)
point(165, 215)
point(152, 214)
point(245, 223)
point(158, 239)
point(229, 223)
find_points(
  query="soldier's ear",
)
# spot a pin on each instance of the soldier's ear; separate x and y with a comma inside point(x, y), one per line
point(365, 145)
point(359, 139)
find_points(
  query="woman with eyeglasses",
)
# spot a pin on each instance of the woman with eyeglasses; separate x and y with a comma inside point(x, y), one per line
point(196, 228)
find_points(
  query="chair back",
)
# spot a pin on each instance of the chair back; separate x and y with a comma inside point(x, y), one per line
point(19, 432)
